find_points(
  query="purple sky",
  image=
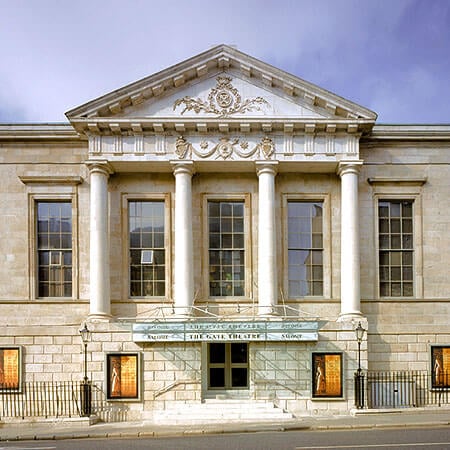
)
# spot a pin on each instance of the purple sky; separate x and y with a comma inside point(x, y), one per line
point(391, 56)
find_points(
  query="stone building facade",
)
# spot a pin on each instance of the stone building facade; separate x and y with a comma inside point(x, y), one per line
point(222, 227)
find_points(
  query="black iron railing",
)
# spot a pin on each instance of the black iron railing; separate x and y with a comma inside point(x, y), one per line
point(401, 389)
point(49, 399)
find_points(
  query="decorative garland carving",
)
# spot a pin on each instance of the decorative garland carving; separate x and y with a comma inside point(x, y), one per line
point(225, 148)
point(223, 100)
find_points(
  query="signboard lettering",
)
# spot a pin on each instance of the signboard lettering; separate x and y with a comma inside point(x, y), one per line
point(256, 331)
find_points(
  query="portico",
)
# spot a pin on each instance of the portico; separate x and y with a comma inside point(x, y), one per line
point(226, 148)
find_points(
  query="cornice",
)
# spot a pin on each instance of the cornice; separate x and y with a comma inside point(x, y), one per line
point(45, 179)
point(402, 181)
point(410, 132)
point(160, 125)
point(41, 131)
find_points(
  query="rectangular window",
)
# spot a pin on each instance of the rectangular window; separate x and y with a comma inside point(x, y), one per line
point(226, 248)
point(305, 248)
point(147, 248)
point(54, 242)
point(396, 253)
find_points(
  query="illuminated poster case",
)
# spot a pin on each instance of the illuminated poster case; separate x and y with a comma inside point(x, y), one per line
point(122, 376)
point(10, 368)
point(440, 366)
point(327, 375)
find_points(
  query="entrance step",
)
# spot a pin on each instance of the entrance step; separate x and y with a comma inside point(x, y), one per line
point(220, 411)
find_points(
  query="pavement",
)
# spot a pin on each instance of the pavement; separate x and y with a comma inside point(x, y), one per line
point(79, 428)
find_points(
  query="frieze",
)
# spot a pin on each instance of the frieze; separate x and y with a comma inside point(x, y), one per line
point(225, 148)
point(223, 100)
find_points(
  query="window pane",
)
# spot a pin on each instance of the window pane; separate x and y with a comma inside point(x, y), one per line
point(384, 290)
point(407, 258)
point(214, 225)
point(408, 289)
point(384, 258)
point(158, 240)
point(396, 241)
point(395, 209)
point(407, 209)
point(317, 273)
point(214, 209)
point(216, 377)
point(396, 273)
point(227, 240)
point(225, 209)
point(238, 209)
point(407, 226)
point(317, 288)
point(395, 226)
point(217, 353)
point(407, 241)
point(383, 226)
point(317, 240)
point(239, 377)
point(146, 233)
point(226, 225)
point(239, 353)
point(407, 274)
point(396, 289)
point(305, 240)
point(384, 274)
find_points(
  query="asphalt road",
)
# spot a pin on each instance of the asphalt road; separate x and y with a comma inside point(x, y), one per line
point(392, 439)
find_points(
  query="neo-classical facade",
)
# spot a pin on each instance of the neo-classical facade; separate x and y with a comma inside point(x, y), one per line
point(222, 227)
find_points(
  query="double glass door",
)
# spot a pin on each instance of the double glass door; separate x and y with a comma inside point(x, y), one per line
point(228, 365)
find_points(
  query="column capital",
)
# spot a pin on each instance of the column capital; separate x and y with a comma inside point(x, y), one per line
point(352, 166)
point(99, 166)
point(183, 167)
point(270, 167)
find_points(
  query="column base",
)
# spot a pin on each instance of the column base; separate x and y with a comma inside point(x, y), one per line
point(350, 316)
point(267, 311)
point(182, 313)
point(99, 317)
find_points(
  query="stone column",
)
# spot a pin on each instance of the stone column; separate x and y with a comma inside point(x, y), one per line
point(184, 259)
point(100, 304)
point(350, 273)
point(267, 248)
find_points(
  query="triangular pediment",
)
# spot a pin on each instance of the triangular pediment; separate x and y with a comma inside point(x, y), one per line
point(220, 84)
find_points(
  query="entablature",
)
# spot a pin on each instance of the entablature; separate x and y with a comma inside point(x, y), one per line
point(226, 151)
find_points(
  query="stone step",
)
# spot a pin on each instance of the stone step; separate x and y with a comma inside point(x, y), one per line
point(223, 411)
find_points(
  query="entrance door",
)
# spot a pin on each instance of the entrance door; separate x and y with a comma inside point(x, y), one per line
point(228, 365)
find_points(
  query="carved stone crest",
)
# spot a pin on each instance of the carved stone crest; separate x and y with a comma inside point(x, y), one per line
point(267, 147)
point(182, 147)
point(223, 100)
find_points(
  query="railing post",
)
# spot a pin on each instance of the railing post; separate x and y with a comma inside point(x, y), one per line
point(86, 396)
point(359, 390)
